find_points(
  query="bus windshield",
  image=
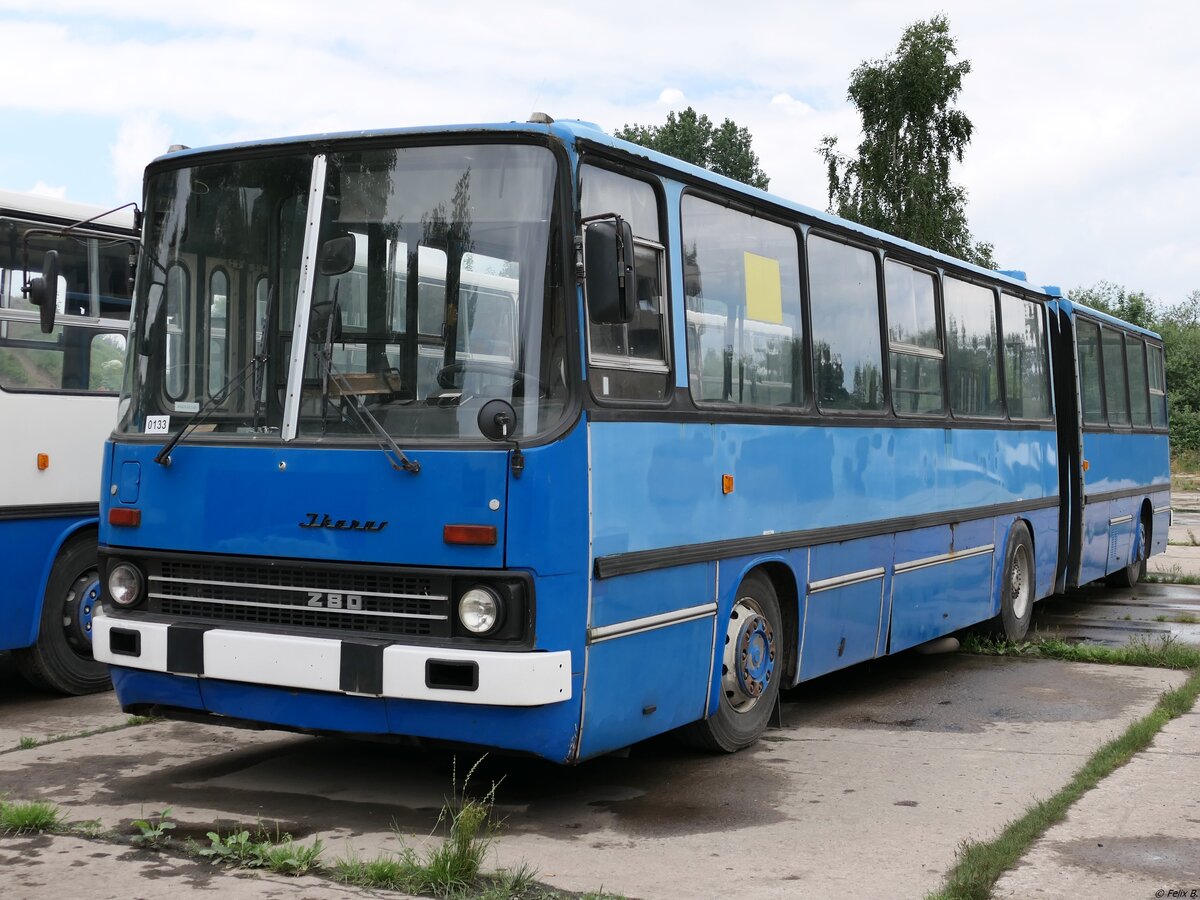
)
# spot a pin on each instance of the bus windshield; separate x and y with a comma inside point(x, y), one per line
point(426, 295)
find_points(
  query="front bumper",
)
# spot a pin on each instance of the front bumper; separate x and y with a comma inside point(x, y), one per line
point(356, 667)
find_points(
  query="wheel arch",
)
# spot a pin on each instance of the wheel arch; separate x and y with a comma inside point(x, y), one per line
point(783, 580)
point(83, 528)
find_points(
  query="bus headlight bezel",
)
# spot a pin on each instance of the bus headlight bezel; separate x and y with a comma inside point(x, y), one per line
point(129, 592)
point(480, 610)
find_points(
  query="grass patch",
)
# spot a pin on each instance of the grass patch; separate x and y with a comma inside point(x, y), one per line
point(1179, 618)
point(1164, 652)
point(448, 868)
point(279, 853)
point(142, 720)
point(979, 864)
point(27, 743)
point(1174, 575)
point(30, 817)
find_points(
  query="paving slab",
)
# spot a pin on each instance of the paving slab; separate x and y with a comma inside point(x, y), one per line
point(51, 867)
point(1136, 834)
point(26, 713)
point(876, 777)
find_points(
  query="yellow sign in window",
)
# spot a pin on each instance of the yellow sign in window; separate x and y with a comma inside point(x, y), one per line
point(764, 289)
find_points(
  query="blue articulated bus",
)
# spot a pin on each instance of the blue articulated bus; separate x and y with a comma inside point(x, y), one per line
point(58, 402)
point(526, 437)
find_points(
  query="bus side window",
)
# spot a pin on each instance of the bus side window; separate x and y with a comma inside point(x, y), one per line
point(743, 307)
point(973, 349)
point(1026, 375)
point(1139, 398)
point(1090, 385)
point(914, 347)
point(844, 295)
point(1158, 390)
point(629, 361)
point(1115, 392)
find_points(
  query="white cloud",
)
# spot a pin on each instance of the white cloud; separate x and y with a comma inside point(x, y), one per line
point(41, 189)
point(139, 140)
point(1078, 165)
point(790, 105)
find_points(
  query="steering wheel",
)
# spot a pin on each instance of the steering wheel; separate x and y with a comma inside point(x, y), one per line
point(446, 374)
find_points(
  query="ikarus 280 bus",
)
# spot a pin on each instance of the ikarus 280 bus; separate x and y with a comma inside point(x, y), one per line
point(526, 437)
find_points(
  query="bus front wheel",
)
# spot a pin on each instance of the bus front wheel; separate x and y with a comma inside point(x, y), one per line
point(61, 660)
point(1017, 587)
point(751, 669)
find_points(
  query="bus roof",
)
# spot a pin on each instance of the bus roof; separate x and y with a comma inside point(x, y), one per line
point(1073, 307)
point(572, 131)
point(64, 212)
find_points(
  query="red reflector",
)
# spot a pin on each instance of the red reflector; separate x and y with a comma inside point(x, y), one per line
point(123, 515)
point(479, 535)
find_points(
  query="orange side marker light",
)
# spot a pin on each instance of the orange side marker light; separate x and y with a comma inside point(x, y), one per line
point(726, 484)
point(43, 461)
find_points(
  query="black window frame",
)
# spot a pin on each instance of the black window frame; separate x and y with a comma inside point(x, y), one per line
point(994, 288)
point(939, 322)
point(878, 254)
point(1046, 358)
point(663, 247)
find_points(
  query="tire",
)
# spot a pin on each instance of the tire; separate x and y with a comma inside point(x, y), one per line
point(61, 660)
point(1136, 570)
point(751, 671)
point(1017, 586)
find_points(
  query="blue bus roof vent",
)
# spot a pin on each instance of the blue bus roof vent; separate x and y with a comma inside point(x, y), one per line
point(1053, 290)
point(1018, 274)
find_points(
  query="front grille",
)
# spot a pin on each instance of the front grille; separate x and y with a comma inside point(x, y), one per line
point(366, 601)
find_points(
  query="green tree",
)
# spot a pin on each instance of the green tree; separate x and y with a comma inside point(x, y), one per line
point(724, 149)
point(1114, 299)
point(900, 180)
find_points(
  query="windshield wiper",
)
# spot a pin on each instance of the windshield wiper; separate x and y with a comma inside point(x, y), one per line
point(352, 402)
point(163, 458)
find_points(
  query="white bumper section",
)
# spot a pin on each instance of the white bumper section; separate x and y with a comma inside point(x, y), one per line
point(504, 678)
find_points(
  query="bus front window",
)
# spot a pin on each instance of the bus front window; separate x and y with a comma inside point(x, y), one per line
point(434, 303)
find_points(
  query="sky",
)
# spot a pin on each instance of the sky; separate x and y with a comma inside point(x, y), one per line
point(1083, 166)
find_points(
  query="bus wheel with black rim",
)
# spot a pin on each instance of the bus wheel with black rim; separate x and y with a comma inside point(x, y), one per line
point(1016, 589)
point(751, 668)
point(1136, 570)
point(61, 660)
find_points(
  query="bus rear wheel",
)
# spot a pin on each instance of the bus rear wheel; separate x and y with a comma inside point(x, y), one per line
point(751, 669)
point(1017, 587)
point(61, 660)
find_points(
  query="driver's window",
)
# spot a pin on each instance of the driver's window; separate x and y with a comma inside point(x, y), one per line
point(630, 361)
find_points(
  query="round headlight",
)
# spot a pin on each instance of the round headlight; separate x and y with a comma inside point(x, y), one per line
point(125, 585)
point(479, 610)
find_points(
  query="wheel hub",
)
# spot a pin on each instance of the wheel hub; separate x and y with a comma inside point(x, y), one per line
point(79, 609)
point(749, 662)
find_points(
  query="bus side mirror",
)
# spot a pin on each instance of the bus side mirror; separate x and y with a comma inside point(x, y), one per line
point(43, 291)
point(337, 255)
point(609, 280)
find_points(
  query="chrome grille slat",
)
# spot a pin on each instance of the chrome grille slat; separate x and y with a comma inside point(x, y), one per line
point(279, 587)
point(401, 604)
point(349, 612)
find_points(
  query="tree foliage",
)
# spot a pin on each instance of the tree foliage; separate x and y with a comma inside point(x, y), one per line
point(900, 180)
point(724, 149)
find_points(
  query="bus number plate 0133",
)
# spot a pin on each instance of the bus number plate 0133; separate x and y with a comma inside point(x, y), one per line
point(334, 601)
